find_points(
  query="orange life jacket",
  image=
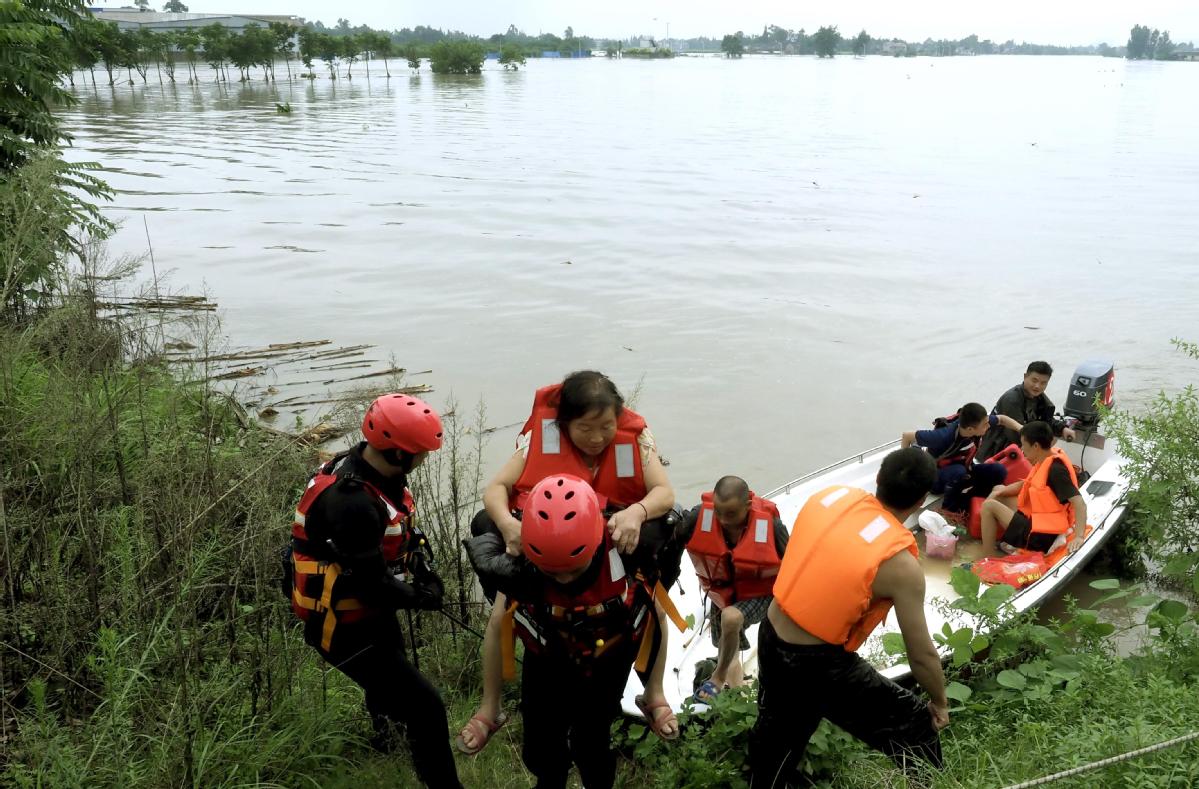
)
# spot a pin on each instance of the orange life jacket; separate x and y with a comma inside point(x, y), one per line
point(314, 586)
point(618, 479)
point(615, 609)
point(1038, 501)
point(749, 569)
point(825, 584)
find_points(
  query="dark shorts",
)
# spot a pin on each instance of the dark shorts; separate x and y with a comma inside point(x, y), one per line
point(1019, 534)
point(754, 611)
point(800, 685)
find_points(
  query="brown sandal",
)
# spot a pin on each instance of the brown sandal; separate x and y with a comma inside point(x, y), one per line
point(482, 728)
point(655, 722)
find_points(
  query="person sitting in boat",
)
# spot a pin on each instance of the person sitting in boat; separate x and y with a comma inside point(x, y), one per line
point(954, 445)
point(1025, 402)
point(582, 427)
point(736, 549)
point(586, 616)
point(1035, 512)
point(849, 561)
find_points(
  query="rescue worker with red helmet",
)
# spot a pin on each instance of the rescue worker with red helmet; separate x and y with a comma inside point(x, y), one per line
point(850, 560)
point(736, 541)
point(580, 427)
point(357, 557)
point(586, 615)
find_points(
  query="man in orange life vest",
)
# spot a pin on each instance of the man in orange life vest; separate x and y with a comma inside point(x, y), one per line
point(356, 557)
point(849, 560)
point(1035, 512)
point(736, 542)
point(586, 616)
point(579, 427)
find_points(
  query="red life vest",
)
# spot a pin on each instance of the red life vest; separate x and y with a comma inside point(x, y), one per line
point(617, 608)
point(315, 579)
point(747, 570)
point(1038, 501)
point(618, 478)
point(957, 452)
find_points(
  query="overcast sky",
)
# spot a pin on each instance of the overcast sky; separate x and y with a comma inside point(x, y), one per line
point(1041, 21)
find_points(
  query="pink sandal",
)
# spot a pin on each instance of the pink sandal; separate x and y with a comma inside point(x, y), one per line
point(655, 722)
point(482, 728)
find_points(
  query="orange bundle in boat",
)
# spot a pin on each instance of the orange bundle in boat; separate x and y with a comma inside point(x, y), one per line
point(1019, 569)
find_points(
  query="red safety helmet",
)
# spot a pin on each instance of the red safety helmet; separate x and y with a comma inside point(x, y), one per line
point(562, 524)
point(403, 422)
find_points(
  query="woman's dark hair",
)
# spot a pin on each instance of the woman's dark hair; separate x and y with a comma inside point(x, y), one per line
point(585, 391)
point(971, 414)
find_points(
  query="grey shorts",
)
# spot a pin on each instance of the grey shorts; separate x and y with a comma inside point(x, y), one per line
point(754, 611)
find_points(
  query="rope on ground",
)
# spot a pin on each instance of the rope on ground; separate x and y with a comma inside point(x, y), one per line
point(1105, 762)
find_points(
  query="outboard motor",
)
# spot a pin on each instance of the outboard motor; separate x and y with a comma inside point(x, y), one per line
point(1094, 383)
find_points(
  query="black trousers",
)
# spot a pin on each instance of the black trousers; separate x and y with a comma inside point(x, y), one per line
point(568, 717)
point(799, 685)
point(372, 654)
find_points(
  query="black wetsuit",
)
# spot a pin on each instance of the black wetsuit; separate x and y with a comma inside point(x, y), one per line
point(371, 652)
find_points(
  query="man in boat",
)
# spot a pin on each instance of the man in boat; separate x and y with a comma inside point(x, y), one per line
point(581, 427)
point(586, 615)
point(356, 558)
point(849, 561)
point(736, 549)
point(1035, 512)
point(954, 445)
point(1025, 402)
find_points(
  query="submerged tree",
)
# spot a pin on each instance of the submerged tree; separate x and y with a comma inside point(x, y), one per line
point(457, 57)
point(733, 45)
point(825, 42)
point(512, 56)
point(861, 42)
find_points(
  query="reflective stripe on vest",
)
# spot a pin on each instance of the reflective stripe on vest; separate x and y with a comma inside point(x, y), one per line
point(840, 538)
point(618, 477)
point(1038, 501)
point(746, 571)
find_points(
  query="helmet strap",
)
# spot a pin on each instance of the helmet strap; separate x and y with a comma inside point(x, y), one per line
point(398, 457)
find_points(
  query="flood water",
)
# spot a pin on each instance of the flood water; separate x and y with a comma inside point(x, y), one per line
point(796, 259)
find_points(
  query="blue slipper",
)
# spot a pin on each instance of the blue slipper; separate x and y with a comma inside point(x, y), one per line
point(706, 692)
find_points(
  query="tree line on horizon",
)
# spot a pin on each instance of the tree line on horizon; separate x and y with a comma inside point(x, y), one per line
point(94, 42)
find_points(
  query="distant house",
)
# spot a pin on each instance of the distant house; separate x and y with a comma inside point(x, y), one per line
point(894, 48)
point(1187, 54)
point(133, 19)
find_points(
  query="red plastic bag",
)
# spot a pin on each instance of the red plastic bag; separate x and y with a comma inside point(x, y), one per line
point(1019, 569)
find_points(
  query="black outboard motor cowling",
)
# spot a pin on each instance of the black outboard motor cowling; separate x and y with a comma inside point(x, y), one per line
point(1094, 383)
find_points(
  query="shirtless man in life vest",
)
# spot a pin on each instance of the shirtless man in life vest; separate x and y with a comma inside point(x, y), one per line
point(849, 561)
point(736, 541)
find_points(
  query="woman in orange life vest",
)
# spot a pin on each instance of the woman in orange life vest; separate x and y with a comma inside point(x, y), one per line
point(579, 427)
point(1034, 512)
point(584, 613)
point(356, 558)
point(736, 542)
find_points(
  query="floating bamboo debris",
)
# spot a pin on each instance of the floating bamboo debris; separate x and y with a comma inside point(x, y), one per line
point(292, 402)
point(165, 303)
point(269, 352)
point(244, 372)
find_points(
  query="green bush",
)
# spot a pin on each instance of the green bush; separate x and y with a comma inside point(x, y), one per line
point(457, 57)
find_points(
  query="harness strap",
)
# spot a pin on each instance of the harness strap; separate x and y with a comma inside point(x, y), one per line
point(325, 605)
point(508, 642)
point(662, 598)
point(647, 644)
